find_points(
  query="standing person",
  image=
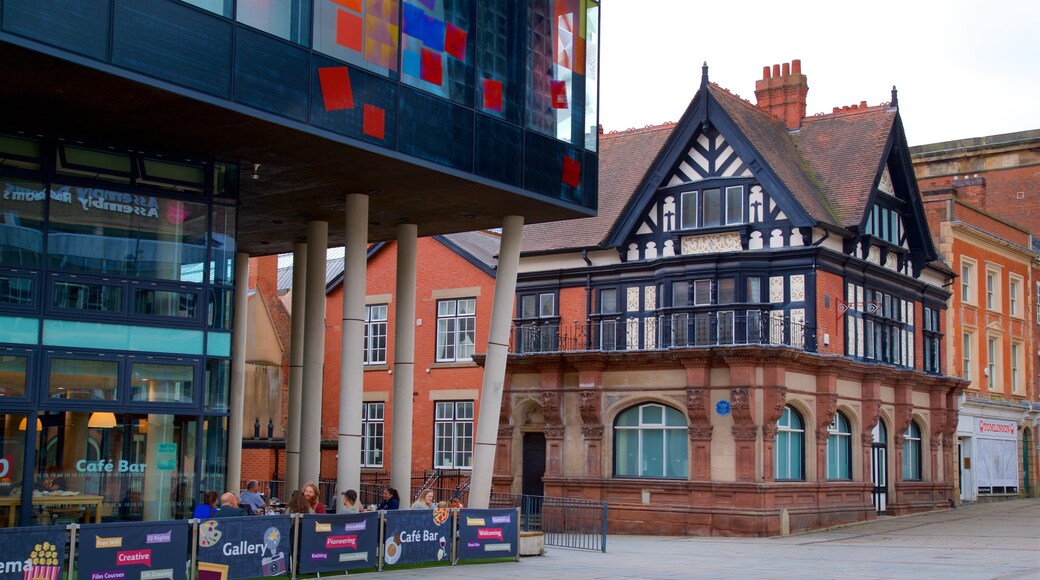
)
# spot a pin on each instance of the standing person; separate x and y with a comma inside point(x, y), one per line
point(350, 502)
point(229, 507)
point(297, 504)
point(391, 500)
point(425, 501)
point(313, 496)
point(208, 508)
point(251, 497)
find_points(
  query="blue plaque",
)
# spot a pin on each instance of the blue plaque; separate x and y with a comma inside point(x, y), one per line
point(722, 408)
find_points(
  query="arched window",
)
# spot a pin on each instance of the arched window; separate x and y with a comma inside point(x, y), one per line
point(789, 451)
point(839, 448)
point(912, 453)
point(650, 440)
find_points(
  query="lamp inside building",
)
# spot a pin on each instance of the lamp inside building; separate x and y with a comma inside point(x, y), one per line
point(102, 420)
point(25, 423)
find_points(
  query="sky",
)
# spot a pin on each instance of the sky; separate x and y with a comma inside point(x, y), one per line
point(962, 68)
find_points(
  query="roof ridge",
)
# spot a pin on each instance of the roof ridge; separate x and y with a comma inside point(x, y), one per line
point(634, 130)
point(850, 110)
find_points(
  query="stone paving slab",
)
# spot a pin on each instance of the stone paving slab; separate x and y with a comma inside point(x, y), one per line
point(996, 540)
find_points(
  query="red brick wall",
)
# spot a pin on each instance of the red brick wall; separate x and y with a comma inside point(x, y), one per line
point(827, 320)
point(1002, 193)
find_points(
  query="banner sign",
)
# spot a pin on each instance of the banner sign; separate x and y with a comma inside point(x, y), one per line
point(244, 547)
point(417, 536)
point(996, 429)
point(488, 534)
point(133, 551)
point(332, 543)
point(36, 553)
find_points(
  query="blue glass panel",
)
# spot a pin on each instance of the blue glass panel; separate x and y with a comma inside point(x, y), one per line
point(174, 42)
point(544, 160)
point(500, 59)
point(19, 330)
point(373, 117)
point(288, 19)
point(499, 154)
point(77, 25)
point(435, 129)
point(95, 335)
point(271, 75)
point(218, 344)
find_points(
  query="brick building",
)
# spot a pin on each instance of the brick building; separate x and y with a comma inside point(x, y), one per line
point(748, 338)
point(982, 198)
point(454, 289)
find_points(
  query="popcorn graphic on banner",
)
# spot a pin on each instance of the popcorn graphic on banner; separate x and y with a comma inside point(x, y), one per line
point(43, 563)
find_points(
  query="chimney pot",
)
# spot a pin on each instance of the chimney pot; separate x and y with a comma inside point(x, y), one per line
point(599, 128)
point(776, 70)
point(787, 69)
point(796, 66)
point(863, 104)
point(765, 72)
point(836, 110)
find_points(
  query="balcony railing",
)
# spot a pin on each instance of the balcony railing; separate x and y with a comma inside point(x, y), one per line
point(680, 329)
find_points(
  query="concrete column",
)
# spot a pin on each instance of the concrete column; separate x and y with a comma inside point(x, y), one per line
point(404, 360)
point(238, 372)
point(352, 370)
point(313, 353)
point(295, 411)
point(495, 363)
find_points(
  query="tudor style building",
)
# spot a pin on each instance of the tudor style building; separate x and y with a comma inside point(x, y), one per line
point(748, 338)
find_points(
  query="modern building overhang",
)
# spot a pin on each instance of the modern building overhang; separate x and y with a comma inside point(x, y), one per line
point(304, 173)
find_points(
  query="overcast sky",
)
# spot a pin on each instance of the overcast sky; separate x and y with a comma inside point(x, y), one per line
point(963, 68)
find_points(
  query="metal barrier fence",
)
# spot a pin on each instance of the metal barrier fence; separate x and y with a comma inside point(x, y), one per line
point(566, 522)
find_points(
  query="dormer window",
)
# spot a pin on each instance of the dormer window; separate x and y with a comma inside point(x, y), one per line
point(885, 224)
point(713, 207)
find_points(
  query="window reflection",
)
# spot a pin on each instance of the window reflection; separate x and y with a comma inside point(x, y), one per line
point(152, 474)
point(111, 232)
point(165, 303)
point(15, 290)
point(83, 379)
point(12, 375)
point(288, 19)
point(87, 296)
point(162, 383)
point(21, 222)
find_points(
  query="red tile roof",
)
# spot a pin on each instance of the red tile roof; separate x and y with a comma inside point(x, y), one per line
point(624, 158)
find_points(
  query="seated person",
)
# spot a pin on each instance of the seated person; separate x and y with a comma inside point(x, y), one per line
point(251, 497)
point(229, 507)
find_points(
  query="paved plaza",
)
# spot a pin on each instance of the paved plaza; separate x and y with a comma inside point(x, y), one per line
point(996, 540)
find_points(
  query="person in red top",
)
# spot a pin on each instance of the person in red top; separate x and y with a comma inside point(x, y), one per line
point(313, 496)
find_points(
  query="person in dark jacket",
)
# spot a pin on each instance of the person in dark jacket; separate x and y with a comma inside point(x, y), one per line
point(229, 507)
point(391, 500)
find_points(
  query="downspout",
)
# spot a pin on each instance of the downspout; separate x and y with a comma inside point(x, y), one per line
point(588, 301)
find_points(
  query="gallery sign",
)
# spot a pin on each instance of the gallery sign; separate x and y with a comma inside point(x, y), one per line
point(133, 551)
point(244, 547)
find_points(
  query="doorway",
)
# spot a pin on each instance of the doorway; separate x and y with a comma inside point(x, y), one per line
point(879, 467)
point(534, 464)
point(966, 475)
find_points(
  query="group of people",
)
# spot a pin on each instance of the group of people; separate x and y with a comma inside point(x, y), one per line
point(252, 502)
point(306, 501)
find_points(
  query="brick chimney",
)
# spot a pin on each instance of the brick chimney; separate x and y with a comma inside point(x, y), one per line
point(263, 275)
point(971, 190)
point(781, 93)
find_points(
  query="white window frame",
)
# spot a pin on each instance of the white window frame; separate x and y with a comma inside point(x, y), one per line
point(373, 416)
point(993, 290)
point(912, 452)
point(1016, 364)
point(375, 334)
point(793, 438)
point(641, 428)
point(839, 448)
point(967, 339)
point(456, 320)
point(992, 353)
point(1015, 284)
point(702, 292)
point(968, 282)
point(453, 435)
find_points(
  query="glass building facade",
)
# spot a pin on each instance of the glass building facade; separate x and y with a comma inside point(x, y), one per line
point(116, 281)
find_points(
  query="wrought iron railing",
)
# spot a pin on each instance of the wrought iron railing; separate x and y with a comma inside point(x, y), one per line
point(566, 522)
point(676, 329)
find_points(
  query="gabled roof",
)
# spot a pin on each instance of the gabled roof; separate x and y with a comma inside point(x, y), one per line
point(846, 151)
point(479, 248)
point(828, 168)
point(623, 161)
